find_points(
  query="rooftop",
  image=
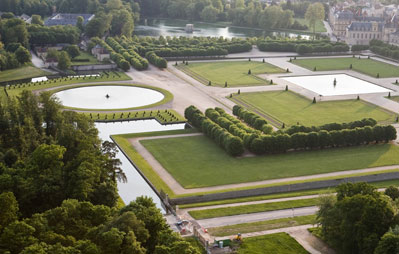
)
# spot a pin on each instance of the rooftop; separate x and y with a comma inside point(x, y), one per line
point(67, 19)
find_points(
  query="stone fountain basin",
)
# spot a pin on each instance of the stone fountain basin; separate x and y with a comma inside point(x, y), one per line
point(120, 97)
point(345, 85)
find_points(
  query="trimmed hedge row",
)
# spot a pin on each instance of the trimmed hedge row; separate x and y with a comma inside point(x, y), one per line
point(115, 56)
point(301, 46)
point(135, 60)
point(318, 140)
point(252, 119)
point(359, 47)
point(156, 60)
point(231, 144)
point(384, 49)
point(331, 126)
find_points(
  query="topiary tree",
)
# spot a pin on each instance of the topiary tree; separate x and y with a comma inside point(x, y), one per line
point(225, 84)
point(392, 192)
point(249, 72)
point(286, 88)
point(314, 100)
point(209, 83)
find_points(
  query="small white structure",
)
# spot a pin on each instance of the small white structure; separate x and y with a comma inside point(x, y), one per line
point(189, 28)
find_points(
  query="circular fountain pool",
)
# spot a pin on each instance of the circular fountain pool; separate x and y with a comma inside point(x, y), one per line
point(108, 97)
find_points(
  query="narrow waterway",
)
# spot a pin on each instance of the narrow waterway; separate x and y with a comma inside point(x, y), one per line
point(136, 186)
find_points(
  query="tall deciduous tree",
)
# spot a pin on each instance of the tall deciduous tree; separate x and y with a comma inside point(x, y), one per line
point(314, 13)
point(356, 222)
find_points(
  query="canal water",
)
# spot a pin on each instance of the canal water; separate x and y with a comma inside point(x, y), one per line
point(168, 27)
point(136, 186)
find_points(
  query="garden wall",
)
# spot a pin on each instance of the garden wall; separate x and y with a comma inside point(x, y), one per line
point(284, 188)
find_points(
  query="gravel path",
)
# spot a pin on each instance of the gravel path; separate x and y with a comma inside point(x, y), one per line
point(255, 217)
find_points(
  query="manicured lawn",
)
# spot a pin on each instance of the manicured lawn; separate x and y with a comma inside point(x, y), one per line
point(234, 72)
point(291, 108)
point(22, 73)
point(319, 25)
point(197, 162)
point(367, 66)
point(85, 55)
point(280, 243)
point(262, 225)
point(255, 208)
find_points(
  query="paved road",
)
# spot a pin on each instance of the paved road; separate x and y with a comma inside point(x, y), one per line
point(255, 217)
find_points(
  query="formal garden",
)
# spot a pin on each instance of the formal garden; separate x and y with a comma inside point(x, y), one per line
point(289, 108)
point(371, 67)
point(230, 73)
point(294, 152)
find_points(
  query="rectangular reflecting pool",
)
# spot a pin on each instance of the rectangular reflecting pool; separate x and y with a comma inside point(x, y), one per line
point(344, 85)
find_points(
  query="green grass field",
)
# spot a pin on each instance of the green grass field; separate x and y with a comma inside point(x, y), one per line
point(197, 162)
point(280, 243)
point(262, 225)
point(234, 72)
point(367, 66)
point(23, 72)
point(291, 108)
point(85, 55)
point(319, 25)
point(254, 208)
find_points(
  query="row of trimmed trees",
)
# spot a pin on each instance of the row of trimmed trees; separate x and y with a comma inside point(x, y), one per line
point(231, 144)
point(331, 126)
point(115, 56)
point(252, 119)
point(156, 60)
point(384, 49)
point(302, 47)
point(135, 60)
point(323, 139)
point(234, 136)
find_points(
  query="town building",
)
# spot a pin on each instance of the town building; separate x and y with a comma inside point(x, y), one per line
point(100, 53)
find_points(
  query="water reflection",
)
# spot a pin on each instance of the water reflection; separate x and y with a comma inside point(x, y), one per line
point(136, 185)
point(166, 27)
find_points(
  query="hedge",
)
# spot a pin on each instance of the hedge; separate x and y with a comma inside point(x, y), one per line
point(231, 144)
point(301, 46)
point(156, 60)
point(331, 126)
point(318, 140)
point(252, 119)
point(384, 49)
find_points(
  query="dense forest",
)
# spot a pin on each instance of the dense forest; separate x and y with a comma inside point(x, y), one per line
point(58, 185)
